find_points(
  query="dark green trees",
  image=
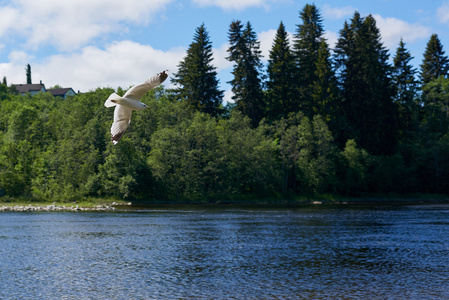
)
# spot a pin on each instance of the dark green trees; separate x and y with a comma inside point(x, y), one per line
point(435, 63)
point(244, 52)
point(196, 78)
point(281, 93)
point(308, 39)
point(28, 73)
point(404, 75)
point(406, 86)
point(325, 96)
point(365, 79)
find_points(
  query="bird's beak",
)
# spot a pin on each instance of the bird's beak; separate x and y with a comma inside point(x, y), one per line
point(148, 107)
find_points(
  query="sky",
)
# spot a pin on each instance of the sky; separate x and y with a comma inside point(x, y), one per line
point(86, 44)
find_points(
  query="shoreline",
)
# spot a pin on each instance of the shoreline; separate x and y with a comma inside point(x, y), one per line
point(60, 207)
point(52, 207)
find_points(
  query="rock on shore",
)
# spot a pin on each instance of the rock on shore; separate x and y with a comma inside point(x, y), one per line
point(54, 208)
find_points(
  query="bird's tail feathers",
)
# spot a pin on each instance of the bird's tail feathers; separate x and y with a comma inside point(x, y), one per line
point(111, 101)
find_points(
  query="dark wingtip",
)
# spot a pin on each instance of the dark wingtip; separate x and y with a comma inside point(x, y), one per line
point(117, 137)
point(163, 75)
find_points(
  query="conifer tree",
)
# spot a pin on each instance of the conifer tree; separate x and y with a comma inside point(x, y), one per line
point(196, 80)
point(404, 75)
point(308, 38)
point(245, 52)
point(281, 90)
point(406, 87)
point(28, 73)
point(365, 78)
point(325, 96)
point(435, 63)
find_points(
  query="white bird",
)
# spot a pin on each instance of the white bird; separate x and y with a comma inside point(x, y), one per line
point(125, 105)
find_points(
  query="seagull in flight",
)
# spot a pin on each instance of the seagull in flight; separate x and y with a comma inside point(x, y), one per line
point(125, 105)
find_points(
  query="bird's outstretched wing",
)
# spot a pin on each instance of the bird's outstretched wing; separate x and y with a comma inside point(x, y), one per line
point(122, 117)
point(137, 91)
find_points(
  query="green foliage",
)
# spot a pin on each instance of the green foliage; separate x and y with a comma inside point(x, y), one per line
point(436, 105)
point(435, 63)
point(406, 91)
point(245, 52)
point(365, 79)
point(201, 158)
point(307, 44)
point(281, 95)
point(317, 157)
point(356, 164)
point(28, 74)
point(197, 79)
point(348, 124)
point(325, 95)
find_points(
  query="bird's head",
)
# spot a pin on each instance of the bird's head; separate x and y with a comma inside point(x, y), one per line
point(145, 106)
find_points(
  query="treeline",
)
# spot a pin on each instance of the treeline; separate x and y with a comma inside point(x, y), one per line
point(314, 121)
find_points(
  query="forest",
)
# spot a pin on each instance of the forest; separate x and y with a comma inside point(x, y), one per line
point(313, 121)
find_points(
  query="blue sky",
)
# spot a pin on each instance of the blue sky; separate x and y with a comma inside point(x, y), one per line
point(86, 44)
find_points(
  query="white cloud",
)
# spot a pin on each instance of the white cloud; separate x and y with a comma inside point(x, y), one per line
point(68, 25)
point(443, 12)
point(336, 13)
point(220, 61)
point(227, 98)
point(331, 38)
point(392, 30)
point(266, 39)
point(234, 4)
point(120, 64)
point(8, 17)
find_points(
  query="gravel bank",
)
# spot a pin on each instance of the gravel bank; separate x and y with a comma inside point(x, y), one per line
point(55, 208)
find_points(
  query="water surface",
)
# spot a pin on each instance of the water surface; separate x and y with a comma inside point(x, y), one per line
point(227, 252)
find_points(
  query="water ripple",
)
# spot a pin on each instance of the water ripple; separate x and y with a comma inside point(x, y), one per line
point(227, 253)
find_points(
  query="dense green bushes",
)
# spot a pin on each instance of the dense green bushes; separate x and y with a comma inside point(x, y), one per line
point(53, 149)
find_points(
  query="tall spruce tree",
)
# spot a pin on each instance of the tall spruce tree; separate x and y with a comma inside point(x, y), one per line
point(326, 98)
point(435, 63)
point(406, 86)
point(28, 74)
point(245, 52)
point(281, 89)
point(404, 75)
point(324, 87)
point(196, 79)
point(365, 78)
point(308, 38)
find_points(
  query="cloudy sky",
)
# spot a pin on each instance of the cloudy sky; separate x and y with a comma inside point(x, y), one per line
point(86, 44)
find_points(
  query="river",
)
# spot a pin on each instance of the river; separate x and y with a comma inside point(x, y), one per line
point(227, 252)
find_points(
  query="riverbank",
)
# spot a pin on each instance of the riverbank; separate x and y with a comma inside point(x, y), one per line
point(91, 204)
point(105, 204)
point(52, 208)
point(59, 207)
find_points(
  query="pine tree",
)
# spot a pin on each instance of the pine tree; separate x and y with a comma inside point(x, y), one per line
point(406, 87)
point(246, 85)
point(308, 38)
point(325, 96)
point(281, 90)
point(28, 73)
point(435, 63)
point(404, 75)
point(365, 78)
point(196, 80)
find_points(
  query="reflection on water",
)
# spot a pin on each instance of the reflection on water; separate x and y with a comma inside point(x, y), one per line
point(227, 252)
